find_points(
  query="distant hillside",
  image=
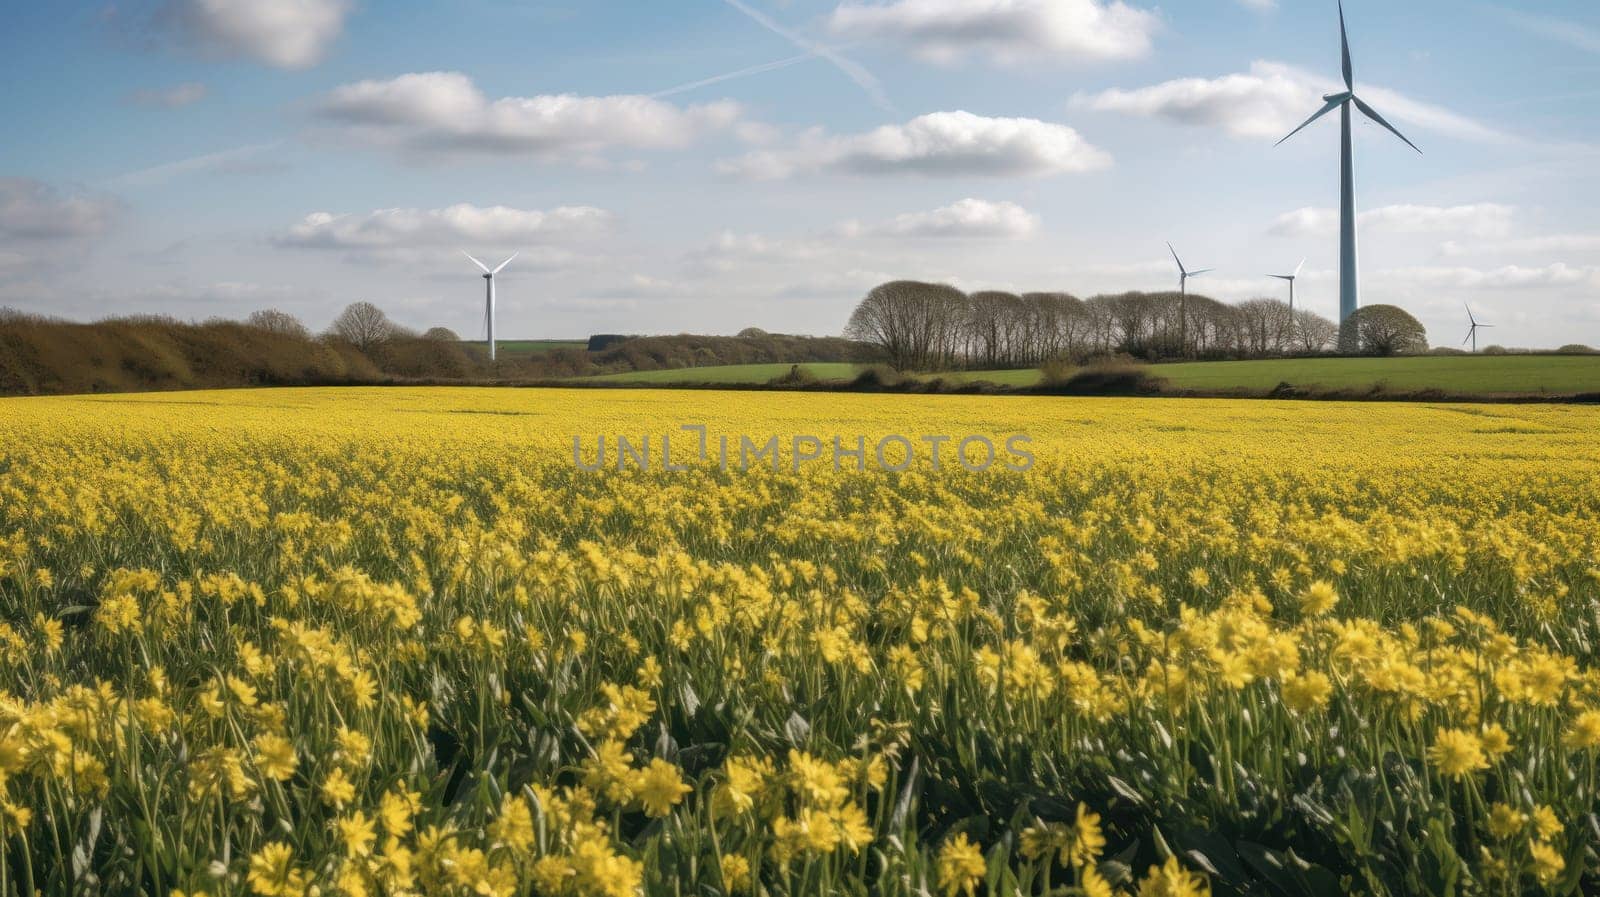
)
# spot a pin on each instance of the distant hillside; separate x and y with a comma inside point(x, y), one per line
point(40, 356)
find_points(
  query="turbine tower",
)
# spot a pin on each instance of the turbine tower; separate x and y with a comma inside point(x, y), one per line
point(1472, 332)
point(488, 302)
point(1349, 272)
point(1291, 278)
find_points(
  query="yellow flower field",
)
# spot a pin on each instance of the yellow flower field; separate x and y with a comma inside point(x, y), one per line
point(394, 641)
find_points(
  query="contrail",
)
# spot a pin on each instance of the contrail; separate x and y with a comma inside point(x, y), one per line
point(209, 162)
point(741, 73)
point(863, 78)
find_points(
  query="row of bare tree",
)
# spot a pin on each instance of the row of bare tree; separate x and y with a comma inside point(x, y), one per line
point(926, 326)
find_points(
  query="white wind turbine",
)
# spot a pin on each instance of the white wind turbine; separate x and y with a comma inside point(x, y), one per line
point(1291, 278)
point(488, 303)
point(1184, 273)
point(1183, 292)
point(1472, 332)
point(1349, 276)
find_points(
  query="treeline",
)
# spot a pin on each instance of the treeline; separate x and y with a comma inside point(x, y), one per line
point(46, 356)
point(659, 353)
point(923, 326)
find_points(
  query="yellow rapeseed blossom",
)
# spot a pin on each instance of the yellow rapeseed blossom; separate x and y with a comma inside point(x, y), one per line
point(405, 623)
point(960, 867)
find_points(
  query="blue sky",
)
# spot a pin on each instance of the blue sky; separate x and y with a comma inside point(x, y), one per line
point(711, 165)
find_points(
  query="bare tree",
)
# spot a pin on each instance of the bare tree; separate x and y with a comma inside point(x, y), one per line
point(1313, 332)
point(279, 322)
point(363, 325)
point(911, 322)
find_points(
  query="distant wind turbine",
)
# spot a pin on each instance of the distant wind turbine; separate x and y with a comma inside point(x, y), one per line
point(1183, 292)
point(1184, 273)
point(488, 303)
point(1472, 332)
point(1349, 273)
point(1291, 278)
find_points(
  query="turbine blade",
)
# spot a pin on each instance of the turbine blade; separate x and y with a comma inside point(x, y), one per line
point(1201, 271)
point(503, 264)
point(1331, 105)
point(1281, 276)
point(1484, 326)
point(484, 268)
point(1176, 259)
point(1373, 114)
point(1469, 337)
point(1469, 314)
point(1300, 267)
point(1344, 47)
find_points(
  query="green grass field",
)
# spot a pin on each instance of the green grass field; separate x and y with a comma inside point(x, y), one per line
point(1479, 374)
point(1475, 374)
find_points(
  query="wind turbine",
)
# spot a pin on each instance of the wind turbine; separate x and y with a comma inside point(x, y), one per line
point(1472, 332)
point(1349, 276)
point(1183, 302)
point(1291, 278)
point(1184, 273)
point(488, 303)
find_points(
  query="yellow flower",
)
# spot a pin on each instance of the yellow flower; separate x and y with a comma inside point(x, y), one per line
point(1172, 880)
point(1546, 823)
point(514, 826)
point(743, 782)
point(272, 872)
point(275, 756)
point(1496, 741)
point(610, 772)
point(1548, 864)
point(960, 866)
point(337, 789)
point(1506, 821)
point(735, 872)
point(659, 788)
point(354, 748)
point(1457, 752)
point(1319, 598)
point(1584, 733)
point(357, 833)
point(396, 810)
point(1305, 692)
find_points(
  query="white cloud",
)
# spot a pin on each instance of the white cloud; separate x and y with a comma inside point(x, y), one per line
point(1479, 220)
point(289, 34)
point(1004, 31)
point(170, 97)
point(729, 251)
point(433, 114)
point(1260, 5)
point(1269, 101)
point(951, 144)
point(1506, 277)
point(968, 218)
point(458, 225)
point(33, 212)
